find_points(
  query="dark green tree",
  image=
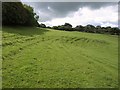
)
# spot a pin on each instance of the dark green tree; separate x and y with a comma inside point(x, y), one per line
point(90, 28)
point(42, 25)
point(67, 27)
point(79, 28)
point(15, 13)
point(115, 31)
point(98, 29)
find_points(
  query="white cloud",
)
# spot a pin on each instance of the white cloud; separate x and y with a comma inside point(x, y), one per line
point(105, 16)
point(50, 9)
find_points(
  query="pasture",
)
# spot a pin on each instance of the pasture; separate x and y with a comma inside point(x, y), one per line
point(45, 58)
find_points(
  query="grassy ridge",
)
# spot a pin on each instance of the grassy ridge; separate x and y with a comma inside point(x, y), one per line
point(34, 57)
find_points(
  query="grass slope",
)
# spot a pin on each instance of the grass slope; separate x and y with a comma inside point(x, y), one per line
point(45, 58)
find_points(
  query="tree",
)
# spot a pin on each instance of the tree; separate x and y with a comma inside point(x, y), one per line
point(15, 13)
point(115, 31)
point(48, 27)
point(79, 28)
point(32, 17)
point(55, 27)
point(61, 27)
point(42, 25)
point(98, 29)
point(90, 28)
point(107, 29)
point(67, 27)
point(67, 24)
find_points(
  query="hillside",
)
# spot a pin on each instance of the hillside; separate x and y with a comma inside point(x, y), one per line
point(34, 57)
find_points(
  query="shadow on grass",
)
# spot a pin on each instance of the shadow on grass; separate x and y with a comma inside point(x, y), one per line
point(25, 31)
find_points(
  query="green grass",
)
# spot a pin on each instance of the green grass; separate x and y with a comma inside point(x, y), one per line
point(44, 58)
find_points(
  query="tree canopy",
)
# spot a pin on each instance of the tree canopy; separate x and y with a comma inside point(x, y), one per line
point(15, 13)
point(89, 28)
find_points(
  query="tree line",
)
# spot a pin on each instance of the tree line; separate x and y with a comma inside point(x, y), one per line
point(88, 28)
point(16, 13)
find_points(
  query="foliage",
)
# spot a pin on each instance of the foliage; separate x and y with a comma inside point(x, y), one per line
point(42, 25)
point(98, 29)
point(15, 13)
point(66, 27)
point(89, 28)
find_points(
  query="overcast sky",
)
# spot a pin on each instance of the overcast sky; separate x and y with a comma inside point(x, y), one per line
point(76, 13)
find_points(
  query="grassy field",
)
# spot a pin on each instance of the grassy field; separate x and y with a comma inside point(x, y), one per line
point(44, 58)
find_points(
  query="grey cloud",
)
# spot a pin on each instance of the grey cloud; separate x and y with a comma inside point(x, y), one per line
point(62, 9)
